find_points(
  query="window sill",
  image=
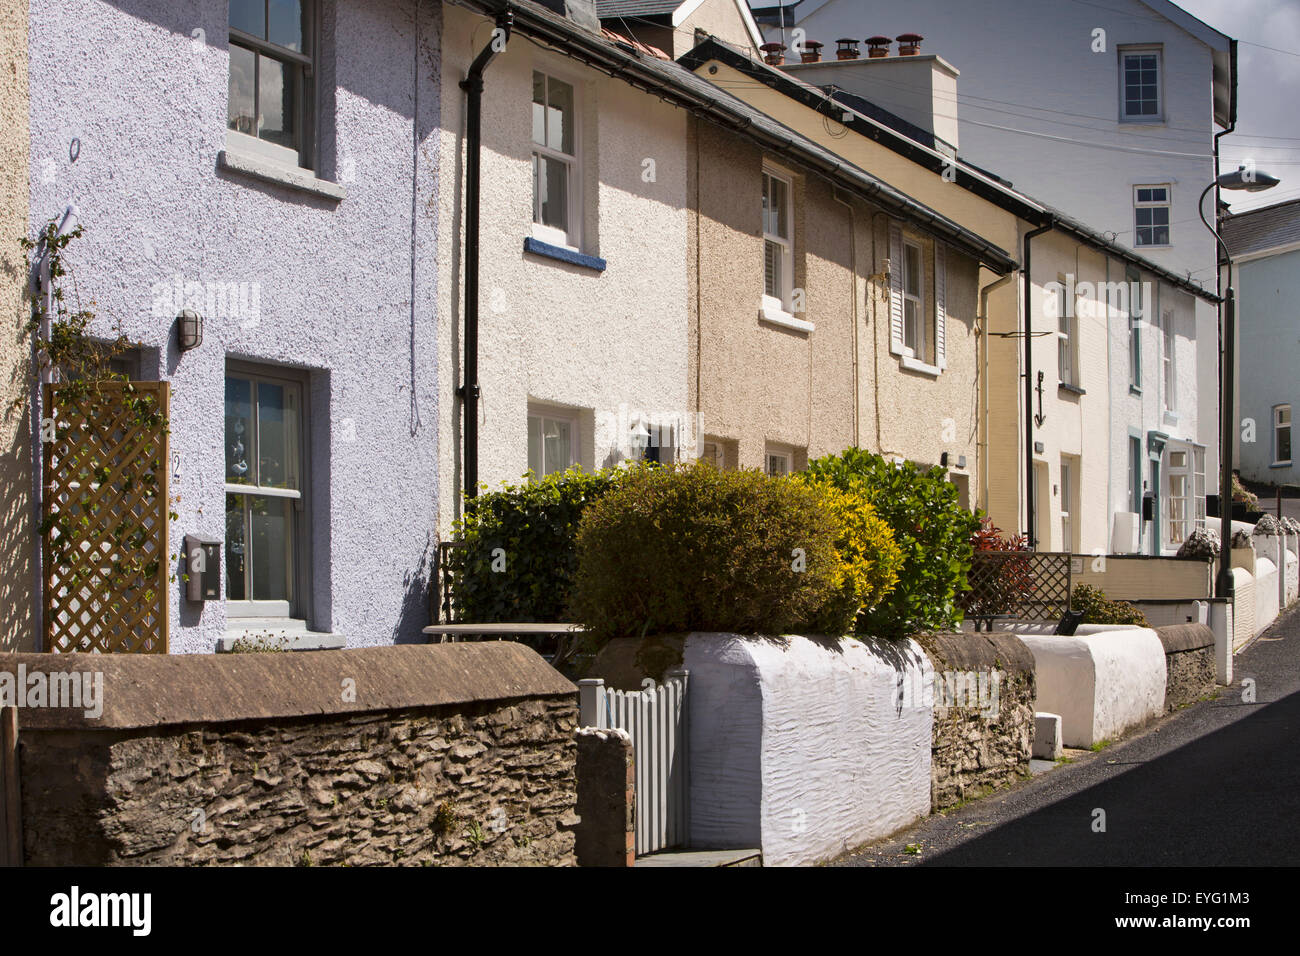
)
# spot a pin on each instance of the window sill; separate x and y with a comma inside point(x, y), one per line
point(916, 365)
point(563, 254)
point(1171, 418)
point(286, 634)
point(767, 313)
point(1072, 389)
point(1280, 464)
point(1167, 245)
point(302, 180)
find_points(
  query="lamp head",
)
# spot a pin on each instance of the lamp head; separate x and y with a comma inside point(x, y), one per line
point(1247, 179)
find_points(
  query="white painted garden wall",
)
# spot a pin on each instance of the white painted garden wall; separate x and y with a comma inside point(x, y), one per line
point(802, 746)
point(1102, 682)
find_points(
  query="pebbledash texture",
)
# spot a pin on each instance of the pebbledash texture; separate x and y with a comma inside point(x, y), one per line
point(449, 755)
point(983, 728)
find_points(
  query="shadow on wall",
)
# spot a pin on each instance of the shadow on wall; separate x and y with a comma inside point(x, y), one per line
point(17, 620)
point(414, 615)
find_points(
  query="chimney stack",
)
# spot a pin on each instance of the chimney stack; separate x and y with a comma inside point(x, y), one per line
point(848, 49)
point(773, 53)
point(877, 47)
point(909, 44)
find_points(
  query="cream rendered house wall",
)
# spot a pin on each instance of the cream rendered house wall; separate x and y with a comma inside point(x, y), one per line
point(17, 535)
point(549, 331)
point(920, 417)
point(761, 383)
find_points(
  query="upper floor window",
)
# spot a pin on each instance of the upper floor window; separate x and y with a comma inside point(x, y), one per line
point(1281, 434)
point(1066, 342)
point(556, 193)
point(1151, 215)
point(1140, 85)
point(918, 317)
point(1169, 358)
point(272, 78)
point(778, 244)
point(1137, 309)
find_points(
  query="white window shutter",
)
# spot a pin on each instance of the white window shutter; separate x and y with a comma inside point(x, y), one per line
point(895, 289)
point(940, 308)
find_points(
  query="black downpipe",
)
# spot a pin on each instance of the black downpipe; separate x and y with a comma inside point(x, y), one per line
point(470, 390)
point(1029, 382)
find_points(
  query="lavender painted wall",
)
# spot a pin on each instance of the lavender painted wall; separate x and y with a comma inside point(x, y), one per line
point(346, 288)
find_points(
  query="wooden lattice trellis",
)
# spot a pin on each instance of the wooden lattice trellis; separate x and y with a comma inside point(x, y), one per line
point(106, 517)
point(1025, 585)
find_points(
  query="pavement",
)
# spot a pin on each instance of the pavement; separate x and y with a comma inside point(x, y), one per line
point(1214, 784)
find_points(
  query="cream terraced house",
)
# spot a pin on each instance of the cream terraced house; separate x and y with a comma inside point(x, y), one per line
point(1041, 460)
point(582, 323)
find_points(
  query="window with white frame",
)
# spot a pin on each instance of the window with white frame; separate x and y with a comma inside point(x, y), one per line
point(1151, 215)
point(917, 314)
point(1178, 493)
point(552, 440)
point(1136, 312)
point(1198, 485)
point(272, 78)
point(783, 459)
point(1281, 434)
point(1169, 359)
point(264, 494)
point(914, 318)
point(556, 187)
point(778, 242)
point(778, 463)
point(1065, 338)
point(1140, 85)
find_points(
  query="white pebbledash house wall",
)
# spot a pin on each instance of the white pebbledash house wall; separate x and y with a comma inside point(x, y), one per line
point(1039, 102)
point(582, 331)
point(333, 271)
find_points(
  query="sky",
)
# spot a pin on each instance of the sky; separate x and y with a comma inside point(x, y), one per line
point(1268, 91)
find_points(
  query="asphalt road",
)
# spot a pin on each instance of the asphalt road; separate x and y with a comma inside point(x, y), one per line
point(1216, 784)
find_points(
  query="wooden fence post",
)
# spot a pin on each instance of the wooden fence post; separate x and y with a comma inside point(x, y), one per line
point(11, 826)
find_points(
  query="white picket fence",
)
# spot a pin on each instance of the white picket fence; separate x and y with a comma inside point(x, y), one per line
point(655, 718)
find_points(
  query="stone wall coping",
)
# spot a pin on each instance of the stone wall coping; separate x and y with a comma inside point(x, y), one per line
point(148, 690)
point(980, 651)
point(1185, 637)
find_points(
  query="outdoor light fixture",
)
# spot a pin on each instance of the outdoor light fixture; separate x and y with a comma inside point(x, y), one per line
point(189, 330)
point(1253, 181)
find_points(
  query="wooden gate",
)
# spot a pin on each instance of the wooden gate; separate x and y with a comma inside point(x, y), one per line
point(655, 718)
point(105, 527)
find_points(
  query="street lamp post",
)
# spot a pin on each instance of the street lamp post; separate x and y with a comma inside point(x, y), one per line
point(1248, 180)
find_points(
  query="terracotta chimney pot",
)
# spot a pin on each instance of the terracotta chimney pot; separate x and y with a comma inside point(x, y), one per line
point(909, 44)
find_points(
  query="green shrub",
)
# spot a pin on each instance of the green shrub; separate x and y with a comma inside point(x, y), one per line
point(869, 558)
point(535, 524)
point(930, 526)
point(1098, 609)
point(693, 548)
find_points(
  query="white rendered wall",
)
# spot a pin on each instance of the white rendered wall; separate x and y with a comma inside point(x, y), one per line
point(1101, 683)
point(552, 332)
point(800, 746)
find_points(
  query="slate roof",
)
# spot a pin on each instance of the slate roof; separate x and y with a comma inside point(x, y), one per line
point(1260, 229)
point(636, 8)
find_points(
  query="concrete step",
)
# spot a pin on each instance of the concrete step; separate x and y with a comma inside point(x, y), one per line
point(702, 858)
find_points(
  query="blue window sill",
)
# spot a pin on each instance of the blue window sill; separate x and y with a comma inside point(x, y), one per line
point(539, 248)
point(1284, 464)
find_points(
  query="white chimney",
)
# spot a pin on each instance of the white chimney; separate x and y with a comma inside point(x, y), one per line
point(918, 87)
